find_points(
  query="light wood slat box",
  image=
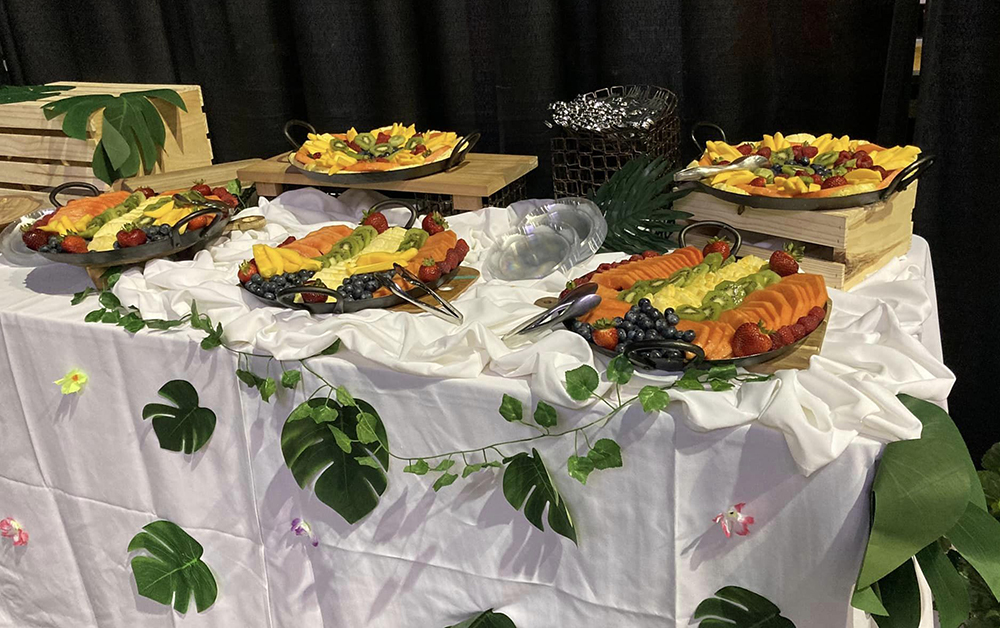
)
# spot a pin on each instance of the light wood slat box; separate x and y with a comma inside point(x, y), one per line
point(35, 155)
point(469, 184)
point(843, 245)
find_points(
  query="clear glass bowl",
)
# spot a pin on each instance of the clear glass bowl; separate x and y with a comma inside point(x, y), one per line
point(580, 214)
point(532, 251)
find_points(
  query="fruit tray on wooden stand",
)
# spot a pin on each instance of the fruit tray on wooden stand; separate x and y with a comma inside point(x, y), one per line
point(35, 155)
point(468, 186)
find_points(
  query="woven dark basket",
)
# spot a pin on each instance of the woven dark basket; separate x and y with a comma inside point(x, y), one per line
point(582, 161)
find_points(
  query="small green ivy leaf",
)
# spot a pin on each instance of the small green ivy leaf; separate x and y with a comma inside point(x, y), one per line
point(109, 300)
point(159, 323)
point(185, 426)
point(333, 348)
point(289, 379)
point(110, 317)
point(581, 382)
point(365, 461)
point(300, 412)
point(324, 414)
point(420, 467)
point(620, 370)
point(234, 187)
point(267, 388)
point(446, 479)
point(720, 385)
point(725, 372)
point(249, 378)
point(545, 415)
point(653, 399)
point(78, 297)
point(471, 468)
point(580, 468)
point(366, 429)
point(210, 342)
point(344, 397)
point(444, 465)
point(113, 274)
point(606, 454)
point(95, 316)
point(343, 440)
point(689, 384)
point(511, 409)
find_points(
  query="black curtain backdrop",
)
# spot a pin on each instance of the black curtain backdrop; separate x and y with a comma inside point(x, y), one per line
point(754, 66)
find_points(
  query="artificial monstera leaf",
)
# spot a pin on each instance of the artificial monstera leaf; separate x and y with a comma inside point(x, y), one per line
point(309, 444)
point(636, 203)
point(527, 483)
point(132, 131)
point(184, 427)
point(174, 569)
point(25, 93)
point(735, 607)
point(487, 619)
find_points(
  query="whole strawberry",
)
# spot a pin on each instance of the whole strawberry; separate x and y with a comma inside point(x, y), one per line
point(809, 151)
point(786, 335)
point(202, 189)
point(833, 182)
point(462, 247)
point(313, 297)
point(809, 322)
point(377, 220)
point(147, 192)
point(228, 199)
point(605, 335)
point(745, 149)
point(786, 262)
point(429, 271)
point(130, 236)
point(717, 245)
point(247, 270)
point(818, 312)
point(74, 244)
point(35, 239)
point(862, 159)
point(758, 182)
point(764, 151)
point(750, 339)
point(434, 223)
point(453, 258)
point(798, 330)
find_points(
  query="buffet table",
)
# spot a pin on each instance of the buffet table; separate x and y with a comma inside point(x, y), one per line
point(83, 473)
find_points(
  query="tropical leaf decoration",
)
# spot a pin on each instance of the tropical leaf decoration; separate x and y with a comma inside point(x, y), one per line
point(174, 569)
point(487, 619)
point(25, 93)
point(132, 132)
point(735, 607)
point(346, 446)
point(636, 202)
point(185, 426)
point(527, 483)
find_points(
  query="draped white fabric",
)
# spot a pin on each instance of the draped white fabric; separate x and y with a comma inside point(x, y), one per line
point(84, 473)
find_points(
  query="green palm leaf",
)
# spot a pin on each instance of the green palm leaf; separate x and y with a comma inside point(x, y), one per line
point(25, 93)
point(735, 607)
point(637, 202)
point(487, 619)
point(527, 483)
point(186, 426)
point(174, 569)
point(344, 445)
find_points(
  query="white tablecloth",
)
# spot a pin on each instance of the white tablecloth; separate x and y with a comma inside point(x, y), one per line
point(84, 473)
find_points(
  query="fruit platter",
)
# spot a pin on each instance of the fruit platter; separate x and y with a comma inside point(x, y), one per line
point(701, 306)
point(803, 171)
point(121, 227)
point(389, 153)
point(340, 268)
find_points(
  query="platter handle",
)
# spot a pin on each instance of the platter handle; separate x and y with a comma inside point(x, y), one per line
point(737, 238)
point(59, 189)
point(462, 149)
point(175, 232)
point(395, 202)
point(702, 125)
point(291, 124)
point(633, 349)
point(908, 175)
point(286, 297)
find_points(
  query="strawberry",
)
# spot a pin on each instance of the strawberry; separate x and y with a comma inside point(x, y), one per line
point(718, 245)
point(604, 267)
point(131, 235)
point(462, 247)
point(605, 335)
point(776, 341)
point(864, 161)
point(382, 138)
point(287, 241)
point(801, 173)
point(35, 239)
point(200, 221)
point(842, 158)
point(880, 170)
point(764, 151)
point(377, 220)
point(74, 244)
point(809, 322)
point(809, 151)
point(226, 198)
point(418, 150)
point(818, 180)
point(429, 271)
point(818, 312)
point(434, 223)
point(202, 189)
point(648, 254)
point(833, 182)
point(750, 339)
point(797, 151)
point(724, 162)
point(41, 222)
point(786, 262)
point(745, 149)
point(355, 147)
point(635, 258)
point(786, 335)
point(147, 192)
point(313, 297)
point(453, 258)
point(798, 330)
point(758, 182)
point(247, 270)
point(444, 267)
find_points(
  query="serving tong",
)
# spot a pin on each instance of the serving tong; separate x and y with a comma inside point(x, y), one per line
point(446, 312)
point(697, 173)
point(574, 304)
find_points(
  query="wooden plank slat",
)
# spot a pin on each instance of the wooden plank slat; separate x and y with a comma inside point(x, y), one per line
point(51, 147)
point(46, 174)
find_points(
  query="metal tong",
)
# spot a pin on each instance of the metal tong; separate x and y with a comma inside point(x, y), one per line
point(697, 173)
point(446, 312)
point(577, 302)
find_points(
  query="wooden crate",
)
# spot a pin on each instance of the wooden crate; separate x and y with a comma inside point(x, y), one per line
point(35, 155)
point(844, 245)
point(215, 175)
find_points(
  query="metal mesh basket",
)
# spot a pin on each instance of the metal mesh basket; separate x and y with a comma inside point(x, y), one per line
point(582, 161)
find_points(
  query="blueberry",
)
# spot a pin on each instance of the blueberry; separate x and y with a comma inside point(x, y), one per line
point(280, 280)
point(116, 246)
point(256, 289)
point(627, 325)
point(165, 229)
point(269, 286)
point(688, 336)
point(305, 274)
point(269, 295)
point(803, 161)
point(622, 335)
point(668, 311)
point(53, 241)
point(630, 334)
point(673, 319)
point(617, 322)
point(44, 248)
point(671, 333)
point(357, 291)
point(631, 315)
point(256, 278)
point(371, 285)
point(655, 314)
point(644, 303)
point(639, 336)
point(620, 348)
point(644, 322)
point(652, 334)
point(660, 325)
point(576, 325)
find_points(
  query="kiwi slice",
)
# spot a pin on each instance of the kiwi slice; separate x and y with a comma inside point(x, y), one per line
point(711, 310)
point(340, 145)
point(690, 313)
point(723, 299)
point(714, 261)
point(381, 149)
point(680, 276)
point(365, 140)
point(366, 232)
point(768, 276)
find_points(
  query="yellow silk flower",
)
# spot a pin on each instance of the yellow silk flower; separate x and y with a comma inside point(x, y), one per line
point(72, 382)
